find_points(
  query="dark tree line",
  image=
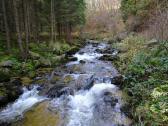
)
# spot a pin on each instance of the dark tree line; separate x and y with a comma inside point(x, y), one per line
point(26, 21)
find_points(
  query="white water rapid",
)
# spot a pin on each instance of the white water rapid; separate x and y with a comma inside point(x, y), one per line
point(24, 103)
point(88, 107)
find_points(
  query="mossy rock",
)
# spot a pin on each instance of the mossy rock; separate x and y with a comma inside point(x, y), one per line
point(42, 71)
point(34, 55)
point(26, 81)
point(40, 81)
point(7, 63)
point(45, 62)
point(4, 76)
point(54, 79)
point(57, 59)
point(68, 79)
point(40, 115)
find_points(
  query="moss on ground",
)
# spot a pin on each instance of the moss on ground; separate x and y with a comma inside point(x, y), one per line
point(41, 55)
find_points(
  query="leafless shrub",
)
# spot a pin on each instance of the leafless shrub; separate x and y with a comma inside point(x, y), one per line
point(104, 16)
point(158, 27)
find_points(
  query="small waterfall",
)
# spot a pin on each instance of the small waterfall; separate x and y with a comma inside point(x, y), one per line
point(24, 102)
point(90, 107)
point(95, 101)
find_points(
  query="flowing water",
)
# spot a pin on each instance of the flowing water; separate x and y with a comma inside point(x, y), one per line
point(89, 99)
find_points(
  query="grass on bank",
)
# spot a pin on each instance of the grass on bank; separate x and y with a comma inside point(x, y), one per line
point(146, 70)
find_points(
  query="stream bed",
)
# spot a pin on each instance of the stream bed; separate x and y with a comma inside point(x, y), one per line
point(79, 93)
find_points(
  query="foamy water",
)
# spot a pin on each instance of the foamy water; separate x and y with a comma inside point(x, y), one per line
point(24, 103)
point(80, 108)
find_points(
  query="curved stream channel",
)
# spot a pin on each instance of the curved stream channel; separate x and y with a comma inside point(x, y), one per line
point(84, 96)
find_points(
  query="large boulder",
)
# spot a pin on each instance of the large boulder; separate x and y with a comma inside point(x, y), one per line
point(84, 82)
point(55, 91)
point(10, 91)
point(7, 64)
point(65, 91)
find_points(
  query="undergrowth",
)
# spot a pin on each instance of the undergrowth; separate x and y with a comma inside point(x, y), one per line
point(146, 73)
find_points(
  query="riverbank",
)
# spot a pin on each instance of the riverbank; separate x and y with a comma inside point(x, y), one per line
point(144, 64)
point(16, 72)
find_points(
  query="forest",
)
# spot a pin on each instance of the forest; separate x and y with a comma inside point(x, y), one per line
point(83, 62)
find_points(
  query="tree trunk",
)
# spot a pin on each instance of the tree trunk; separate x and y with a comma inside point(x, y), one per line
point(52, 22)
point(26, 26)
point(68, 32)
point(6, 26)
point(18, 28)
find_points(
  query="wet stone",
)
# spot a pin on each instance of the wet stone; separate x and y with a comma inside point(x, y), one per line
point(109, 99)
point(72, 58)
point(81, 52)
point(117, 80)
point(82, 61)
point(109, 57)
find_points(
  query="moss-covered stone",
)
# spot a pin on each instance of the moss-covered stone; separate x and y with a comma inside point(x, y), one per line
point(34, 55)
point(7, 63)
point(45, 62)
point(40, 115)
point(42, 71)
point(26, 81)
point(68, 79)
point(54, 79)
point(40, 81)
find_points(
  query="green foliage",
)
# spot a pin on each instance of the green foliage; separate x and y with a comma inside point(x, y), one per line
point(70, 12)
point(147, 82)
point(42, 55)
point(128, 47)
point(60, 47)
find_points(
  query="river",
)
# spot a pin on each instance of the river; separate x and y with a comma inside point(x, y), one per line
point(89, 97)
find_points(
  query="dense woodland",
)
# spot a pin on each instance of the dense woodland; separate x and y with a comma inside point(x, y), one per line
point(31, 21)
point(37, 33)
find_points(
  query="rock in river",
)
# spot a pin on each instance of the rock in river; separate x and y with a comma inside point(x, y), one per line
point(9, 91)
point(109, 57)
